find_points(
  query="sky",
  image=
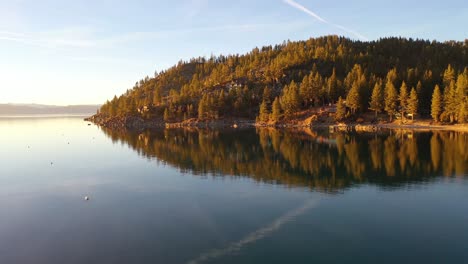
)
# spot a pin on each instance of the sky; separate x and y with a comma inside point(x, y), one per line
point(86, 51)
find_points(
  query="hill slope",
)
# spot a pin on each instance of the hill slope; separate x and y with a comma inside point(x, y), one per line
point(305, 74)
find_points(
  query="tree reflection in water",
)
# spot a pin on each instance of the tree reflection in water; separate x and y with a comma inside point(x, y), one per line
point(306, 158)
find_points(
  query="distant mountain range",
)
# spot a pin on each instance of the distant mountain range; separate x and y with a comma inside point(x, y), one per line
point(38, 109)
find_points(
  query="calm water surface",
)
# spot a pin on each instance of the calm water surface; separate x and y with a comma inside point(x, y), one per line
point(232, 196)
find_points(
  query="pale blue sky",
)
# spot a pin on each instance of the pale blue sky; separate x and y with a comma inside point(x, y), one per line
point(76, 52)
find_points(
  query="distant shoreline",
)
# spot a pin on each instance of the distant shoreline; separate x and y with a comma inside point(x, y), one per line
point(43, 115)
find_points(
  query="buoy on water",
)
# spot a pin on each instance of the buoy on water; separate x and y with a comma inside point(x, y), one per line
point(86, 198)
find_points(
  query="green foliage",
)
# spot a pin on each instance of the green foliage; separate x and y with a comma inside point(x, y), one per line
point(340, 110)
point(377, 99)
point(290, 101)
point(267, 95)
point(449, 76)
point(202, 108)
point(167, 116)
point(333, 88)
point(463, 112)
point(352, 100)
point(391, 98)
point(451, 103)
point(403, 99)
point(412, 106)
point(263, 115)
point(276, 110)
point(436, 106)
point(461, 96)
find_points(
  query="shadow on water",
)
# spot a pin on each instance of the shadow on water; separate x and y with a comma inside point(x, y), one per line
point(318, 160)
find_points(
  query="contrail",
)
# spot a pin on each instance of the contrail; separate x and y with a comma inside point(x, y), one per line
point(256, 235)
point(305, 10)
point(319, 18)
point(351, 31)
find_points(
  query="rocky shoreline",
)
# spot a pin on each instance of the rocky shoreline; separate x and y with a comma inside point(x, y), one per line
point(138, 123)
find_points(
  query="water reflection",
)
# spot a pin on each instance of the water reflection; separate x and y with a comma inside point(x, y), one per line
point(317, 160)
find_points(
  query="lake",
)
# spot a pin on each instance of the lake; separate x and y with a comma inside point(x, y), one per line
point(229, 196)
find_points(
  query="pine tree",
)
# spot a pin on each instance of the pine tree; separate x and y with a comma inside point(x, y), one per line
point(290, 101)
point(202, 108)
point(189, 111)
point(157, 97)
point(413, 103)
point(449, 76)
point(276, 110)
point(352, 100)
point(267, 95)
point(392, 76)
point(461, 96)
point(166, 115)
point(305, 91)
point(391, 98)
point(463, 112)
point(340, 110)
point(332, 86)
point(403, 98)
point(377, 99)
point(263, 115)
point(451, 103)
point(436, 105)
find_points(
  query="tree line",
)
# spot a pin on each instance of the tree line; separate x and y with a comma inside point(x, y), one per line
point(397, 76)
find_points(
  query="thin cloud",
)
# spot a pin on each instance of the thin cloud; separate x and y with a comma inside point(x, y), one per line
point(52, 39)
point(77, 37)
point(319, 18)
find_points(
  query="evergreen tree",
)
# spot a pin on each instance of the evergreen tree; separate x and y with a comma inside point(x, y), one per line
point(316, 83)
point(391, 98)
point(340, 110)
point(463, 112)
point(305, 91)
point(436, 105)
point(276, 110)
point(413, 103)
point(377, 99)
point(403, 98)
point(341, 64)
point(290, 101)
point(392, 76)
point(267, 95)
point(202, 108)
point(157, 97)
point(190, 111)
point(461, 95)
point(166, 115)
point(263, 115)
point(352, 100)
point(332, 86)
point(449, 76)
point(451, 103)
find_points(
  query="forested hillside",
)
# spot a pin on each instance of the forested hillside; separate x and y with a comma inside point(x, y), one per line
point(396, 76)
